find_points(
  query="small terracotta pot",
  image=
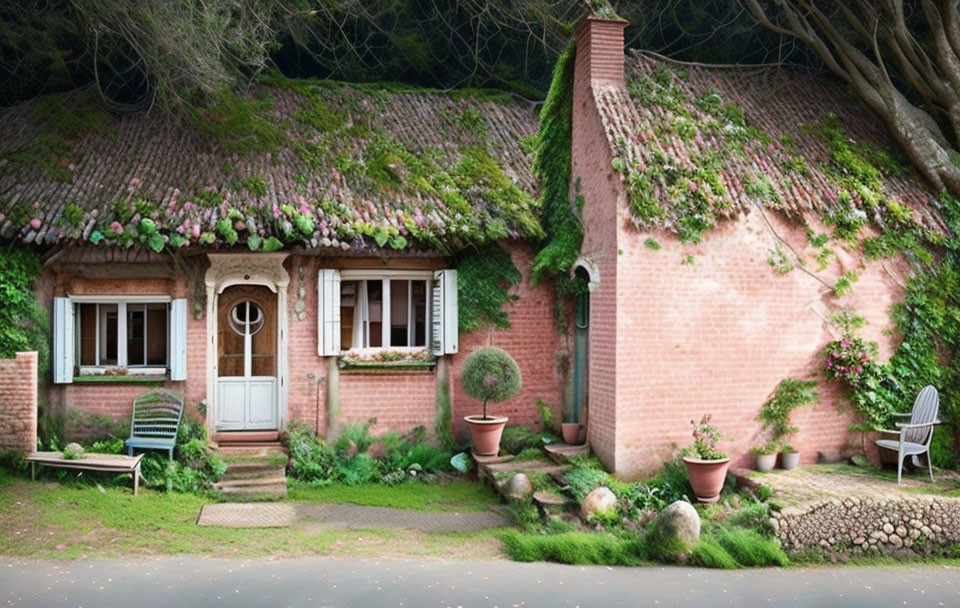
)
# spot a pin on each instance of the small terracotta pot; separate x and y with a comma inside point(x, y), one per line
point(707, 477)
point(789, 460)
point(485, 433)
point(571, 432)
point(766, 462)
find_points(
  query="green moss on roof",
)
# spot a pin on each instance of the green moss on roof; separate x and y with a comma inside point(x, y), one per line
point(310, 163)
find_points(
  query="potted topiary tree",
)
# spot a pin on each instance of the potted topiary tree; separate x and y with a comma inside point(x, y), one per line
point(489, 375)
point(706, 465)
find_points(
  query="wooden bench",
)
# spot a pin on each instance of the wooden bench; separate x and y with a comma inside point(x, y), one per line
point(113, 463)
point(156, 418)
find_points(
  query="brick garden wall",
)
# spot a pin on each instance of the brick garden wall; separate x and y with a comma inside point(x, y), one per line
point(18, 403)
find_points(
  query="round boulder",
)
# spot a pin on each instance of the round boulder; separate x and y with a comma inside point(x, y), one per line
point(600, 502)
point(679, 521)
point(518, 487)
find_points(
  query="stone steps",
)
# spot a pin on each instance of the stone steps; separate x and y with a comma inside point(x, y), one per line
point(551, 501)
point(254, 473)
point(561, 453)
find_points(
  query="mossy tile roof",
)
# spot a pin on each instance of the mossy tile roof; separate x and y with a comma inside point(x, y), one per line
point(695, 145)
point(293, 163)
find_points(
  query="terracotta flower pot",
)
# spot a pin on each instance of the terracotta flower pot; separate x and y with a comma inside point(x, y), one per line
point(766, 462)
point(789, 460)
point(571, 432)
point(485, 433)
point(707, 477)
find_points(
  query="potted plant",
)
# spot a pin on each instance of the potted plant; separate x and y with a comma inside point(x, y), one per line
point(706, 466)
point(571, 432)
point(766, 456)
point(789, 457)
point(489, 375)
point(775, 413)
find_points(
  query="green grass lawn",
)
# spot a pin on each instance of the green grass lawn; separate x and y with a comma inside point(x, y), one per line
point(456, 496)
point(79, 518)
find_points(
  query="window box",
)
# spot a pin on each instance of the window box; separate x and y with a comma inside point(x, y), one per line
point(388, 360)
point(152, 381)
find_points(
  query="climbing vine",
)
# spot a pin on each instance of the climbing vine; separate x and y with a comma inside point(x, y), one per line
point(559, 214)
point(484, 279)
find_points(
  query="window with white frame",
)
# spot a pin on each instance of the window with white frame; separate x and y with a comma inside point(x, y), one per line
point(143, 335)
point(387, 309)
point(102, 339)
point(384, 313)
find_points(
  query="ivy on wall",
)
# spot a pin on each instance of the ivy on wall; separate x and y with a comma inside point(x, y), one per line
point(484, 279)
point(23, 322)
point(559, 215)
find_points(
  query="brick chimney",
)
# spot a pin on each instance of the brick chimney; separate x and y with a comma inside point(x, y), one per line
point(599, 50)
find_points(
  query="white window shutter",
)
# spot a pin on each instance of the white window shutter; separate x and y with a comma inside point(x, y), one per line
point(444, 336)
point(63, 341)
point(328, 312)
point(178, 339)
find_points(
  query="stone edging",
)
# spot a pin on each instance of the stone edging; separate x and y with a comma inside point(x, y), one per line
point(867, 525)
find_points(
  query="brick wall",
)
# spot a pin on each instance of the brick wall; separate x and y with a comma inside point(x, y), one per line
point(398, 400)
point(532, 340)
point(717, 335)
point(116, 400)
point(18, 403)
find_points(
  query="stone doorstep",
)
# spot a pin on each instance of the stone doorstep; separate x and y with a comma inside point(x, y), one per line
point(258, 472)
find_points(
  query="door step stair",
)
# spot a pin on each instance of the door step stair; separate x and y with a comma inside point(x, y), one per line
point(251, 448)
point(259, 476)
point(233, 437)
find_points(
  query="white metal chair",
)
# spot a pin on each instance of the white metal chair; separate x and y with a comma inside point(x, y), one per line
point(914, 437)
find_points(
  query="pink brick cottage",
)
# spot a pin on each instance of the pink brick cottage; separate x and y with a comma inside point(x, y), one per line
point(299, 263)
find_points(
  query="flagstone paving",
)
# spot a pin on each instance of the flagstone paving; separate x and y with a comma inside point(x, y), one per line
point(818, 482)
point(276, 515)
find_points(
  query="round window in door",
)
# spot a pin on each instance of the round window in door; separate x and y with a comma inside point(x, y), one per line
point(246, 318)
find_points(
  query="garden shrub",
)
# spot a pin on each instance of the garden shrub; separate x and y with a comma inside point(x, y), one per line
point(23, 321)
point(516, 439)
point(194, 468)
point(358, 457)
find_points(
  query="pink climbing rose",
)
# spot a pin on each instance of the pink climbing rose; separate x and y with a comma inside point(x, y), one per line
point(35, 223)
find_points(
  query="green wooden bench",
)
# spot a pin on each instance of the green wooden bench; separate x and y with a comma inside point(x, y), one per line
point(156, 418)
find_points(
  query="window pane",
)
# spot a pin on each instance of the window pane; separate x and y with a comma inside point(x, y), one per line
point(87, 316)
point(157, 335)
point(348, 313)
point(108, 334)
point(136, 326)
point(399, 309)
point(375, 313)
point(419, 312)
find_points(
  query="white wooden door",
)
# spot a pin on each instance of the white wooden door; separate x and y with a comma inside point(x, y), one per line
point(247, 396)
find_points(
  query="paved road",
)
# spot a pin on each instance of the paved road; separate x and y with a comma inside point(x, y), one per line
point(322, 582)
